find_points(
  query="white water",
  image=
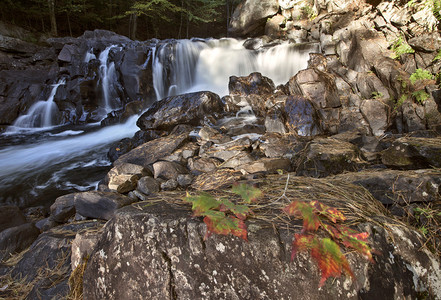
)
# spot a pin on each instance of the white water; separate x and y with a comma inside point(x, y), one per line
point(208, 65)
point(30, 158)
point(108, 76)
point(40, 114)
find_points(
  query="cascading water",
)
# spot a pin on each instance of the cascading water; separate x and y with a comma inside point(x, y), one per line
point(108, 75)
point(40, 114)
point(37, 166)
point(207, 65)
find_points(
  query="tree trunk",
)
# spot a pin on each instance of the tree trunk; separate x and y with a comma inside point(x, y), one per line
point(68, 24)
point(133, 26)
point(51, 4)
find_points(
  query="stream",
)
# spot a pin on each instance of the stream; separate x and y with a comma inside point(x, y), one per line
point(41, 160)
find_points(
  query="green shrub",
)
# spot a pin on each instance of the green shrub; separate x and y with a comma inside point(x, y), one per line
point(400, 47)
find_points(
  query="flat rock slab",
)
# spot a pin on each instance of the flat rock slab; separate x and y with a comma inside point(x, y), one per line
point(100, 205)
point(398, 187)
point(413, 153)
point(152, 151)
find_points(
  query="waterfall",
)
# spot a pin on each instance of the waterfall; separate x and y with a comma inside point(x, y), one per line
point(108, 76)
point(38, 164)
point(89, 56)
point(197, 65)
point(41, 113)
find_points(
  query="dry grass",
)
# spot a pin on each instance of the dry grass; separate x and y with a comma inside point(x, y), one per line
point(76, 281)
point(12, 288)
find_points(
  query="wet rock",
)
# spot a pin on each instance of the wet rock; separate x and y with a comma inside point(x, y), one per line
point(152, 151)
point(189, 109)
point(148, 185)
point(254, 83)
point(10, 216)
point(178, 262)
point(413, 153)
point(99, 205)
point(301, 116)
point(324, 157)
point(66, 54)
point(246, 129)
point(216, 180)
point(398, 187)
point(16, 239)
point(168, 170)
point(63, 208)
point(121, 116)
point(19, 89)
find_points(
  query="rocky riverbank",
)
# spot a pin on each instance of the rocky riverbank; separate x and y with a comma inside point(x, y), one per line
point(349, 130)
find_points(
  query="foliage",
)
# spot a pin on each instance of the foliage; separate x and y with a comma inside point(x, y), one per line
point(377, 95)
point(326, 251)
point(223, 216)
point(420, 74)
point(75, 16)
point(427, 219)
point(415, 86)
point(308, 12)
point(400, 47)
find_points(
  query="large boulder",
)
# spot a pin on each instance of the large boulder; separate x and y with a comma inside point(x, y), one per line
point(189, 109)
point(152, 151)
point(174, 261)
point(250, 17)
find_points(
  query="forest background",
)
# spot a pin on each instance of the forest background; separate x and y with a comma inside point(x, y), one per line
point(140, 20)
